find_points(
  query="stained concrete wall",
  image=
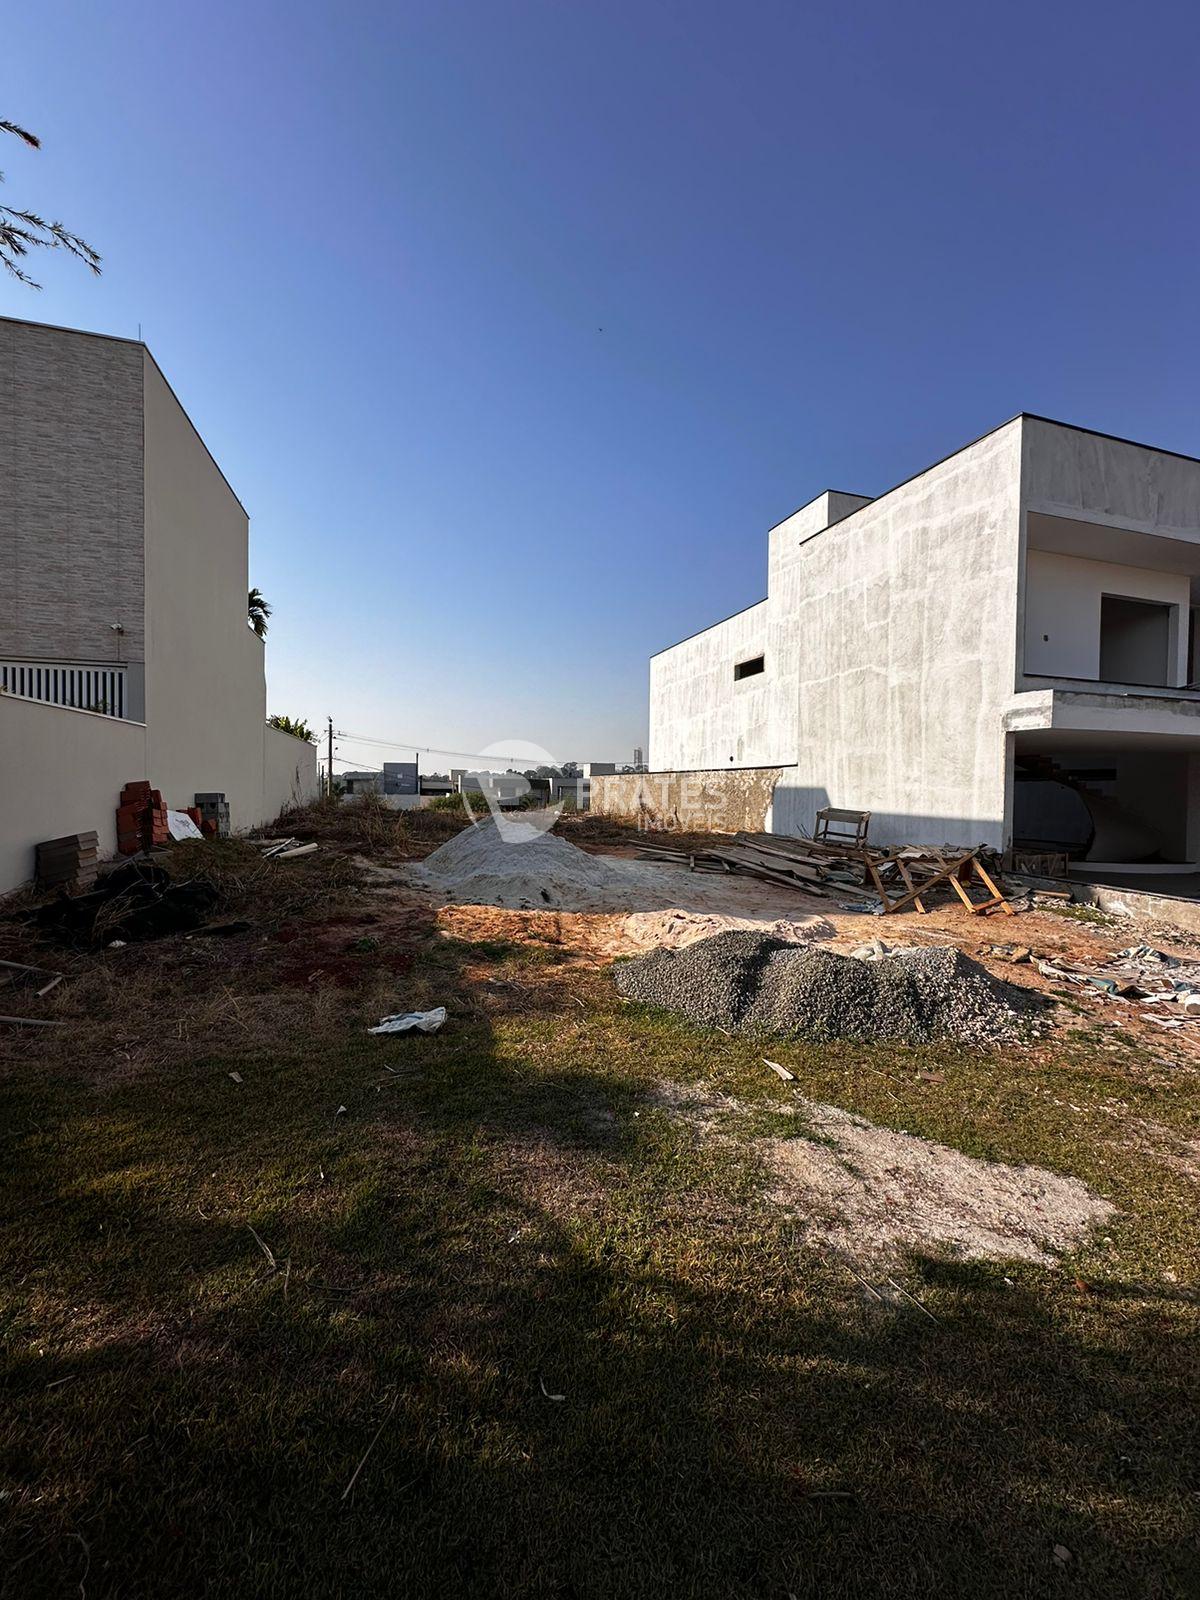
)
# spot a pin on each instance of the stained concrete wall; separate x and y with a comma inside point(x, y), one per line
point(905, 620)
point(700, 715)
point(1068, 472)
point(1062, 601)
point(62, 772)
point(890, 642)
point(785, 554)
point(71, 534)
point(721, 801)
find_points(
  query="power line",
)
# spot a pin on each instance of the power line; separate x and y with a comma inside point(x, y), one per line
point(427, 749)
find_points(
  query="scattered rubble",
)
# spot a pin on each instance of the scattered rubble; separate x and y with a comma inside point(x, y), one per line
point(138, 900)
point(750, 983)
point(1151, 977)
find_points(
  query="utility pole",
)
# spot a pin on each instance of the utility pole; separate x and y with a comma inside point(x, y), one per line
point(329, 770)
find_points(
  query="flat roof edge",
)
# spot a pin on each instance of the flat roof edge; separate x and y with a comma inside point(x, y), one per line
point(718, 624)
point(137, 344)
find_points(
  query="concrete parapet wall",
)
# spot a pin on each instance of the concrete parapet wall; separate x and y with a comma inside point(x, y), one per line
point(721, 801)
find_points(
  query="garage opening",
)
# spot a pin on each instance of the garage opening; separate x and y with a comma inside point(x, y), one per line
point(1135, 641)
point(1105, 809)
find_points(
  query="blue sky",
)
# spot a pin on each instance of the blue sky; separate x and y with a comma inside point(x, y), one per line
point(516, 325)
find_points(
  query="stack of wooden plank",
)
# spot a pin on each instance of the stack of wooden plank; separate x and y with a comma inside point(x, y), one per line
point(796, 863)
point(68, 863)
point(896, 879)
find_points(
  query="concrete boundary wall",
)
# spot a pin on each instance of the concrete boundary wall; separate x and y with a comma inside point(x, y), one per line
point(720, 801)
point(62, 771)
point(289, 772)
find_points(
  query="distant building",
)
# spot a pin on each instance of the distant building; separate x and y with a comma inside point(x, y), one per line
point(433, 783)
point(499, 788)
point(401, 777)
point(361, 782)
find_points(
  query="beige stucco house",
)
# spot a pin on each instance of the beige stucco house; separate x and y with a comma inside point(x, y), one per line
point(124, 647)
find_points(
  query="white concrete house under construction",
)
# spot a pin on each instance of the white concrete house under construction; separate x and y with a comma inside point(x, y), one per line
point(1003, 648)
point(124, 648)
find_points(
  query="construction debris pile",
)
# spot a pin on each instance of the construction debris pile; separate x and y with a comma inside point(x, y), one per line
point(880, 880)
point(211, 814)
point(526, 867)
point(749, 983)
point(1167, 987)
point(137, 900)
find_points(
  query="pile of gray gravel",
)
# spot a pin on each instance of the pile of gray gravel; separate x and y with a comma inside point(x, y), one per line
point(749, 983)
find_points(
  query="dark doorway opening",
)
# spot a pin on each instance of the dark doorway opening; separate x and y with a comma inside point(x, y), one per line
point(1135, 641)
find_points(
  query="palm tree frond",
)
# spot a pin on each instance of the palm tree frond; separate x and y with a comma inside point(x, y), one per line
point(257, 612)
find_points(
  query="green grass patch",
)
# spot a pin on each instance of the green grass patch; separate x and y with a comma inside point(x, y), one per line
point(454, 1229)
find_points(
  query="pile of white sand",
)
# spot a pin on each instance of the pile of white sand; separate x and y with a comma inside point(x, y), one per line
point(519, 865)
point(874, 1194)
point(869, 1191)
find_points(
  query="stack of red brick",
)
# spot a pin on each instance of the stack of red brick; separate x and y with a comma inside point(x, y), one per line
point(141, 819)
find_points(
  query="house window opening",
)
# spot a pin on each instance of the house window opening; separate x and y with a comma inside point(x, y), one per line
point(1135, 641)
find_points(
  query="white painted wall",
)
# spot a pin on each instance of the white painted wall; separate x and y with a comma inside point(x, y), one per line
point(289, 767)
point(205, 700)
point(1062, 610)
point(62, 772)
point(205, 685)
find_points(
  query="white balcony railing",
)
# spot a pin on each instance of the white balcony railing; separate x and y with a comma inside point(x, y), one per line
point(84, 685)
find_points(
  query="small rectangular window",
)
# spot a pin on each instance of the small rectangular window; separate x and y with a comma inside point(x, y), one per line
point(747, 669)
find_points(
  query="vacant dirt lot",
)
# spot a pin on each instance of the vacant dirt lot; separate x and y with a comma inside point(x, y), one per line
point(570, 1299)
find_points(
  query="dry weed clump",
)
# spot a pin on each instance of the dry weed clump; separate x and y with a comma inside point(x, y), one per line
point(368, 826)
point(261, 889)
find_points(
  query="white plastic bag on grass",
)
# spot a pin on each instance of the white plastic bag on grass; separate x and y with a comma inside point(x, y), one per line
point(407, 1021)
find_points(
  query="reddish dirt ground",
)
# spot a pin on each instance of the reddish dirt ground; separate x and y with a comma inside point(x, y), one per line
point(353, 948)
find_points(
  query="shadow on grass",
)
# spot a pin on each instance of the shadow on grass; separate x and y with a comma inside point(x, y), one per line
point(446, 1249)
